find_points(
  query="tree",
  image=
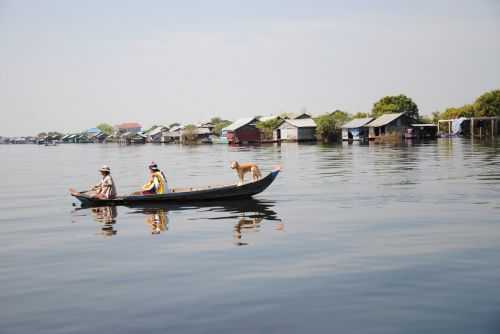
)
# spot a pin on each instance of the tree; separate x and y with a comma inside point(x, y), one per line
point(395, 104)
point(452, 113)
point(221, 125)
point(215, 120)
point(189, 135)
point(326, 128)
point(340, 117)
point(105, 128)
point(488, 104)
point(267, 127)
point(360, 115)
point(436, 116)
point(285, 115)
point(54, 134)
point(425, 120)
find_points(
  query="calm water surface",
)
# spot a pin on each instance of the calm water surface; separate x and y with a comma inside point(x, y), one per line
point(349, 239)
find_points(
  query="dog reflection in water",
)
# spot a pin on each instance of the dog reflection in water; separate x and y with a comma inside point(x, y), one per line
point(245, 224)
point(105, 215)
point(250, 224)
point(157, 221)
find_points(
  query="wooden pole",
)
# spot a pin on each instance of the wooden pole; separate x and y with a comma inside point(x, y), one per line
point(472, 127)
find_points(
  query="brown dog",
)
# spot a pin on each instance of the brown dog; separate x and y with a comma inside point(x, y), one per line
point(243, 168)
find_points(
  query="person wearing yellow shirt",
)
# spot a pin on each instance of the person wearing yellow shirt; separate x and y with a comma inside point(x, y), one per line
point(157, 182)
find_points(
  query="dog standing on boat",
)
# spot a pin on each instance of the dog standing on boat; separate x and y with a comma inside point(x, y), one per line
point(243, 168)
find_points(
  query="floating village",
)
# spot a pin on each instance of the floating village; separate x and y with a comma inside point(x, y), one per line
point(393, 119)
point(302, 127)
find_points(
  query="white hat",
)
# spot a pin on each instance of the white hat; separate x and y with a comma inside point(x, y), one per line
point(105, 168)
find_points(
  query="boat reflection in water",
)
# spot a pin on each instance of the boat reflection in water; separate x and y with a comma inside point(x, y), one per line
point(248, 215)
point(105, 215)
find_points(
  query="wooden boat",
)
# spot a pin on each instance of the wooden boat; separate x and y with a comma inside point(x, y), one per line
point(218, 193)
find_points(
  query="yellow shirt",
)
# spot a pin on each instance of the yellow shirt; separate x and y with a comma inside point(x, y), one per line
point(156, 183)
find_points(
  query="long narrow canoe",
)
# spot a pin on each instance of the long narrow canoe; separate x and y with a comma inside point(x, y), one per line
point(229, 192)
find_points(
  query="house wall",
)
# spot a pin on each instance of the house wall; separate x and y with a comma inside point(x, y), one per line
point(424, 132)
point(398, 126)
point(245, 134)
point(357, 133)
point(288, 132)
point(131, 130)
point(292, 133)
point(306, 134)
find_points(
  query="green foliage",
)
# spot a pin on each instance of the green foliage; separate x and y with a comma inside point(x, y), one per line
point(219, 124)
point(267, 127)
point(105, 128)
point(189, 135)
point(270, 124)
point(451, 113)
point(286, 115)
point(327, 128)
point(340, 117)
point(361, 115)
point(425, 120)
point(395, 104)
point(436, 116)
point(488, 104)
point(56, 134)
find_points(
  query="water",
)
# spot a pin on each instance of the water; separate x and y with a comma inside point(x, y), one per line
point(349, 239)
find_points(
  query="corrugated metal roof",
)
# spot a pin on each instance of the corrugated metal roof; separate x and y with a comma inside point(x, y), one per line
point(239, 123)
point(176, 128)
point(357, 123)
point(302, 123)
point(385, 119)
point(156, 130)
point(301, 115)
point(268, 118)
point(173, 134)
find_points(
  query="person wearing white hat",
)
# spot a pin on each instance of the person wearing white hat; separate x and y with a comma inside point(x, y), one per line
point(106, 188)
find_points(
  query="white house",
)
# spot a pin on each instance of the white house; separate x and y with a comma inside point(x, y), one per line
point(296, 130)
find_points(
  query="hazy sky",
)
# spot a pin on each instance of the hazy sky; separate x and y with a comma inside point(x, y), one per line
point(68, 65)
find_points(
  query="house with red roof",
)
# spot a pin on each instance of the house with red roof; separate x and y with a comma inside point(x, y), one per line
point(131, 127)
